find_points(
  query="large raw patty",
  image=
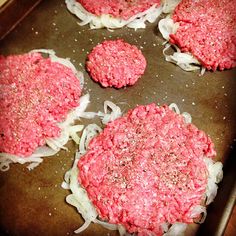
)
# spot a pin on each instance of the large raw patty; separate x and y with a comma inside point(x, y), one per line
point(207, 30)
point(35, 94)
point(146, 168)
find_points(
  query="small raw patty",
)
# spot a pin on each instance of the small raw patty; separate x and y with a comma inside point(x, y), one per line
point(146, 168)
point(207, 30)
point(35, 94)
point(118, 8)
point(115, 63)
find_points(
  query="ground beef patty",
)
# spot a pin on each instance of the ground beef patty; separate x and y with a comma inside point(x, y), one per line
point(115, 63)
point(146, 168)
point(208, 31)
point(35, 94)
point(123, 9)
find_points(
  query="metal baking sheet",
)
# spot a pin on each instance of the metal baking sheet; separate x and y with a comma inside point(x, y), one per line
point(32, 202)
point(12, 12)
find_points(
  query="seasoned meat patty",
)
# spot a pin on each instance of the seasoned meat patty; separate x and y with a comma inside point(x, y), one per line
point(35, 94)
point(145, 169)
point(115, 63)
point(207, 29)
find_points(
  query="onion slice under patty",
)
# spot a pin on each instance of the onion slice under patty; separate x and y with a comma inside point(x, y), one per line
point(185, 61)
point(68, 129)
point(80, 200)
point(107, 21)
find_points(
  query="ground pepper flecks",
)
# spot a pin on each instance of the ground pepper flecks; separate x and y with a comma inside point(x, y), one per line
point(208, 31)
point(146, 168)
point(35, 94)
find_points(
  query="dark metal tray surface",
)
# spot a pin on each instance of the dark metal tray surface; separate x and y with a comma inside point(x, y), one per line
point(33, 202)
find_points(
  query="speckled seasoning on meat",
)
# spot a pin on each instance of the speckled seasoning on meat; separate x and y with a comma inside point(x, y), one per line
point(123, 9)
point(115, 63)
point(207, 30)
point(35, 94)
point(146, 168)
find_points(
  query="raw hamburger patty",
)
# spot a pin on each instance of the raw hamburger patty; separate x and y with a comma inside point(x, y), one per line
point(115, 63)
point(123, 9)
point(207, 30)
point(146, 168)
point(35, 94)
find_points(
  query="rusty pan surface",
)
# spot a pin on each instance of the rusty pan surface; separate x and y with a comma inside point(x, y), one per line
point(33, 202)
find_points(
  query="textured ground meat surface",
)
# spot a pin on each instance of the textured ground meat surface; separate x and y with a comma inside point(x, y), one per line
point(35, 94)
point(118, 8)
point(115, 63)
point(207, 30)
point(146, 168)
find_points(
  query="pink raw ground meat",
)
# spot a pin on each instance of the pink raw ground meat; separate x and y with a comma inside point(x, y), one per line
point(115, 63)
point(207, 30)
point(146, 168)
point(118, 8)
point(35, 94)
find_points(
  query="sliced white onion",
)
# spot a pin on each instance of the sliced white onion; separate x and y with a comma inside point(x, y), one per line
point(199, 211)
point(170, 5)
point(185, 61)
point(6, 160)
point(79, 198)
point(186, 115)
point(5, 163)
point(65, 185)
point(80, 112)
point(83, 227)
point(215, 175)
point(106, 225)
point(89, 132)
point(174, 107)
point(73, 130)
point(107, 116)
point(58, 143)
point(176, 229)
point(181, 59)
point(43, 151)
point(167, 27)
point(165, 227)
point(203, 70)
point(107, 21)
point(150, 15)
point(88, 115)
point(122, 231)
point(32, 165)
point(68, 174)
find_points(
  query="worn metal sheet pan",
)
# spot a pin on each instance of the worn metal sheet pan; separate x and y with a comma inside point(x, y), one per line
point(33, 203)
point(12, 12)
